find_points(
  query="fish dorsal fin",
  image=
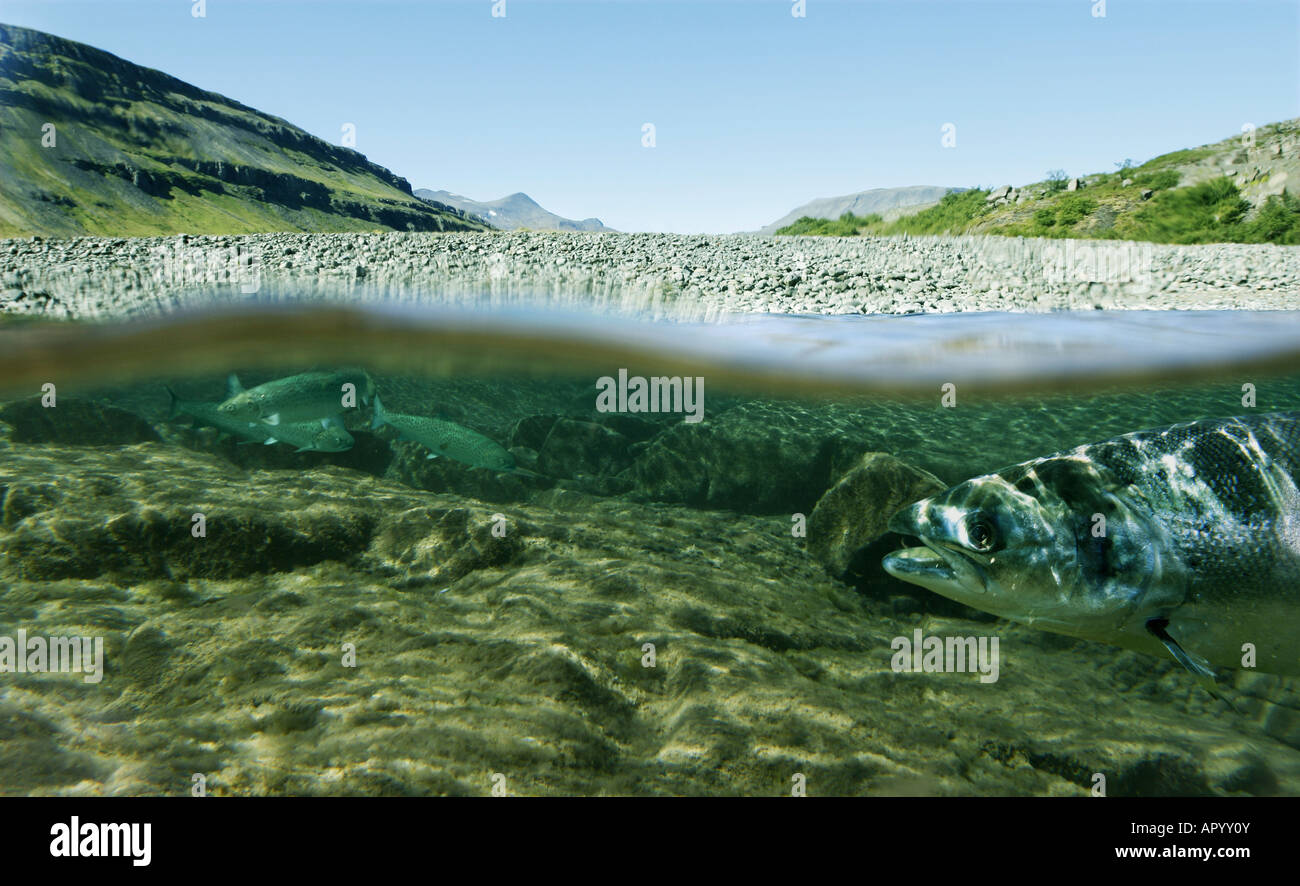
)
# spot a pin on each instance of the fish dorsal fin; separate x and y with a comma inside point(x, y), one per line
point(331, 421)
point(233, 385)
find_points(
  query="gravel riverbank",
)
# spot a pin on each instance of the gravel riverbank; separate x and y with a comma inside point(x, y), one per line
point(696, 276)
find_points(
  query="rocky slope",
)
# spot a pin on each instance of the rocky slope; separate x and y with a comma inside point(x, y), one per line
point(513, 212)
point(134, 151)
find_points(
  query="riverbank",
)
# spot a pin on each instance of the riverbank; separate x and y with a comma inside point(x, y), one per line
point(663, 275)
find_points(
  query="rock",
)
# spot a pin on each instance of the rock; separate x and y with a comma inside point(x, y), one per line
point(531, 431)
point(1074, 184)
point(76, 421)
point(574, 448)
point(634, 427)
point(855, 511)
point(1146, 193)
point(998, 194)
point(1126, 182)
point(759, 458)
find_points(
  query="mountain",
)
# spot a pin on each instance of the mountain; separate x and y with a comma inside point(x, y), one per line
point(863, 203)
point(93, 144)
point(515, 211)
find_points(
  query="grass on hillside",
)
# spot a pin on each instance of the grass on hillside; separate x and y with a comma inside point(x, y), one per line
point(1213, 211)
point(950, 215)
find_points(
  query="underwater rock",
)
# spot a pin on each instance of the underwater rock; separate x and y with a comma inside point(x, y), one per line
point(635, 428)
point(74, 420)
point(757, 458)
point(575, 448)
point(97, 520)
point(370, 453)
point(531, 431)
point(854, 512)
point(427, 547)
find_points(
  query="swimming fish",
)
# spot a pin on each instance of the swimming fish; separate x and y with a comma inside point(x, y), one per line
point(321, 435)
point(447, 438)
point(1185, 539)
point(302, 397)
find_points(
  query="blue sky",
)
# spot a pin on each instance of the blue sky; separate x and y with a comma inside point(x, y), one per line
point(756, 111)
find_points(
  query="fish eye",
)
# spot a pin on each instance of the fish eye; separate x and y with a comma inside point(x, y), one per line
point(980, 532)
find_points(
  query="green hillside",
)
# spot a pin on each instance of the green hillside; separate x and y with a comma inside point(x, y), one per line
point(1235, 191)
point(136, 152)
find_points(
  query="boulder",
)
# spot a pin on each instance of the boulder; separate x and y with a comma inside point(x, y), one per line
point(574, 448)
point(757, 458)
point(856, 510)
point(1074, 184)
point(998, 194)
point(76, 421)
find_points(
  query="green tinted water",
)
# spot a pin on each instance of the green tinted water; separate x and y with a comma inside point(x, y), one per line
point(643, 606)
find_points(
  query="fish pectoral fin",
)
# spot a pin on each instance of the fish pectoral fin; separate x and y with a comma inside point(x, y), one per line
point(272, 419)
point(1195, 664)
point(1158, 628)
point(431, 455)
point(269, 440)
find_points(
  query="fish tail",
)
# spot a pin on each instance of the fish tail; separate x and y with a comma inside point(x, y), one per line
point(380, 417)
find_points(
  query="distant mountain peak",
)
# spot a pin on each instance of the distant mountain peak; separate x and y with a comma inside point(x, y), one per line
point(515, 211)
point(875, 200)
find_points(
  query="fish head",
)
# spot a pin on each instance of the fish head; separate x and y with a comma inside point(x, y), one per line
point(248, 405)
point(1023, 544)
point(499, 460)
point(332, 438)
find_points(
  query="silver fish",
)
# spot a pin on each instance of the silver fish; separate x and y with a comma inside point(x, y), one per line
point(325, 435)
point(447, 438)
point(306, 396)
point(1185, 539)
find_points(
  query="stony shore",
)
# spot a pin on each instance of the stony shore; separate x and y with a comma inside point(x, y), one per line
point(663, 274)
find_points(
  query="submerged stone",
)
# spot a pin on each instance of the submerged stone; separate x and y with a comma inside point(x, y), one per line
point(856, 510)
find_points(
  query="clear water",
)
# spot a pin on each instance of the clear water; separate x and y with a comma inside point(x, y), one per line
point(633, 612)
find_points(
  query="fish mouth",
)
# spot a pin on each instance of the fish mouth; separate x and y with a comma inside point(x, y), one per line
point(921, 566)
point(944, 567)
